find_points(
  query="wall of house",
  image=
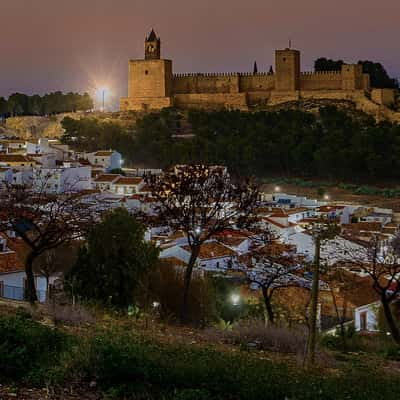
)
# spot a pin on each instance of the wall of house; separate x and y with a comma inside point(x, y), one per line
point(14, 285)
point(215, 264)
point(372, 317)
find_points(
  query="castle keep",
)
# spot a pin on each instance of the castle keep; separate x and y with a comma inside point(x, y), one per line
point(152, 84)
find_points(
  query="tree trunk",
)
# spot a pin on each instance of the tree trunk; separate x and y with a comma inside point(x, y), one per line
point(340, 319)
point(30, 293)
point(394, 329)
point(187, 280)
point(312, 338)
point(268, 306)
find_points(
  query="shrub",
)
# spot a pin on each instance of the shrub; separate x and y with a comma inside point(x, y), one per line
point(272, 338)
point(27, 348)
point(167, 289)
point(74, 315)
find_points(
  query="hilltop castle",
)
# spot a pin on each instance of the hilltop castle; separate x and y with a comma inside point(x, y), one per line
point(152, 84)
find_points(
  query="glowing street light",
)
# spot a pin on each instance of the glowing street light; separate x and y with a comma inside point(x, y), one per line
point(235, 299)
point(326, 197)
point(101, 93)
point(277, 189)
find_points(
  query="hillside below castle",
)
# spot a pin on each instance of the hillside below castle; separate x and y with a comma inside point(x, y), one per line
point(153, 86)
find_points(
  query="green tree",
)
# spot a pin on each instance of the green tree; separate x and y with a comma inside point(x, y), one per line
point(326, 64)
point(379, 78)
point(113, 261)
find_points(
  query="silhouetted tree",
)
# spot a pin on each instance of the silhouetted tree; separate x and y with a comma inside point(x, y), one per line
point(113, 261)
point(42, 220)
point(202, 201)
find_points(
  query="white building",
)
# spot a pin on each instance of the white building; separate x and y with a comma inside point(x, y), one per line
point(366, 317)
point(13, 277)
point(108, 159)
point(213, 256)
point(63, 179)
point(126, 185)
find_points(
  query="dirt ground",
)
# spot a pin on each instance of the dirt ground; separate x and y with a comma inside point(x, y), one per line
point(336, 195)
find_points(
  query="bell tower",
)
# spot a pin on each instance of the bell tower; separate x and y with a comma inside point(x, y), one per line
point(152, 47)
point(149, 80)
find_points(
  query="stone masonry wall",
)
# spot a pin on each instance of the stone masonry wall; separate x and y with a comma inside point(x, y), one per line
point(205, 83)
point(321, 81)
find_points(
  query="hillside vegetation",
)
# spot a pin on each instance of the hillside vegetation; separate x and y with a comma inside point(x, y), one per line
point(331, 144)
point(119, 362)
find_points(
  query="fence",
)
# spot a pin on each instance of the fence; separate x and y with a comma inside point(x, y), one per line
point(18, 293)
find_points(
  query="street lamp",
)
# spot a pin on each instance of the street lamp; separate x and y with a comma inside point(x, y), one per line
point(326, 197)
point(235, 299)
point(102, 92)
point(277, 189)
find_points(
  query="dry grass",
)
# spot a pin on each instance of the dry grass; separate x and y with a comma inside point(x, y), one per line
point(73, 315)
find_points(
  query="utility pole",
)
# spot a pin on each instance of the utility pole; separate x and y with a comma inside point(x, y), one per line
point(314, 299)
point(321, 231)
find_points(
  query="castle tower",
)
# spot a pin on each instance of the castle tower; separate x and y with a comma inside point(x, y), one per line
point(149, 80)
point(152, 47)
point(287, 70)
point(352, 77)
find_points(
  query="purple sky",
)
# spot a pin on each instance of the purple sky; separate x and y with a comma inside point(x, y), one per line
point(49, 45)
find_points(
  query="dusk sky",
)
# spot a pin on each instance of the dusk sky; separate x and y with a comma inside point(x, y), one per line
point(49, 45)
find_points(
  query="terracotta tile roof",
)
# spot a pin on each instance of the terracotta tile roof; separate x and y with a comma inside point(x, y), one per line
point(10, 262)
point(213, 250)
point(103, 153)
point(276, 249)
point(364, 226)
point(278, 224)
point(279, 213)
point(107, 178)
point(232, 241)
point(328, 208)
point(297, 210)
point(15, 158)
point(83, 161)
point(13, 260)
point(125, 180)
point(360, 290)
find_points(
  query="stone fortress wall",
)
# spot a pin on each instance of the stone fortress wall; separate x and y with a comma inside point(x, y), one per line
point(152, 84)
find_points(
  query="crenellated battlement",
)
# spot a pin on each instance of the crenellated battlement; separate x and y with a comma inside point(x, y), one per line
point(205, 74)
point(218, 74)
point(152, 84)
point(321, 73)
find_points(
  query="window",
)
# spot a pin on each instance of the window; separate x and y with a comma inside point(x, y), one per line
point(146, 72)
point(284, 59)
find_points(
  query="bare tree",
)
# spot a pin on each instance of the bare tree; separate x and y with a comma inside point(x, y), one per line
point(270, 273)
point(321, 231)
point(202, 201)
point(55, 260)
point(43, 220)
point(379, 258)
